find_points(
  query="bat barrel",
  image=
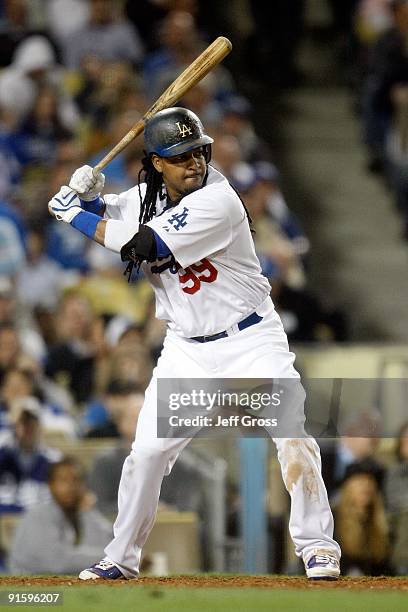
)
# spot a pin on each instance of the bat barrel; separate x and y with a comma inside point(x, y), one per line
point(196, 71)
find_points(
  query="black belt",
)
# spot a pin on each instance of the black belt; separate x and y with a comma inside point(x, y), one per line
point(251, 320)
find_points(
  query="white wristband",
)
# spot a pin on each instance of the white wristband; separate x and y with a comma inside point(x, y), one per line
point(118, 233)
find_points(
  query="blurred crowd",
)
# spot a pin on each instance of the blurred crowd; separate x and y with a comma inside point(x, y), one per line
point(77, 342)
point(366, 478)
point(375, 36)
point(369, 498)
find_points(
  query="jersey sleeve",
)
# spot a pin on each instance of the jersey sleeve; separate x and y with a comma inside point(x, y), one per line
point(199, 226)
point(122, 216)
point(114, 205)
point(119, 206)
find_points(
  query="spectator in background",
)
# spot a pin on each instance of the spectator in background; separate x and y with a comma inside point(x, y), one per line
point(101, 417)
point(397, 476)
point(129, 359)
point(387, 74)
point(368, 20)
point(109, 294)
point(360, 523)
point(12, 240)
point(10, 349)
point(107, 35)
point(40, 281)
point(267, 181)
point(304, 316)
point(107, 468)
point(69, 252)
point(24, 381)
point(64, 534)
point(9, 166)
point(107, 90)
point(12, 256)
point(65, 17)
point(118, 126)
point(236, 122)
point(16, 314)
point(130, 362)
point(16, 385)
point(14, 27)
point(72, 362)
point(201, 100)
point(280, 248)
point(24, 460)
point(57, 405)
point(37, 139)
point(10, 212)
point(33, 66)
point(396, 491)
point(277, 255)
point(47, 324)
point(358, 443)
point(179, 44)
point(227, 158)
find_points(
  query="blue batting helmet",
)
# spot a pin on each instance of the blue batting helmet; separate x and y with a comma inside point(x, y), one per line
point(174, 131)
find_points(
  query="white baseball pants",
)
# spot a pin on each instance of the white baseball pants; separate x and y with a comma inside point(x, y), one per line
point(260, 351)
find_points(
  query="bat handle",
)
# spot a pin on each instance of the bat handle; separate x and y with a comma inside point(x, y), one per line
point(127, 139)
point(98, 168)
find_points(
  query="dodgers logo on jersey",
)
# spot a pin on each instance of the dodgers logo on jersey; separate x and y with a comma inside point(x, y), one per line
point(184, 129)
point(177, 220)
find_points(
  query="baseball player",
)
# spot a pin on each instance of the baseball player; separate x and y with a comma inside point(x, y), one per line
point(190, 232)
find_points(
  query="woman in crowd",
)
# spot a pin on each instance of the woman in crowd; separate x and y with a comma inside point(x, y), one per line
point(397, 503)
point(361, 524)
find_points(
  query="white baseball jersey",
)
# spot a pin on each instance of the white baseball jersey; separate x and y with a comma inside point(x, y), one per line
point(211, 282)
point(213, 278)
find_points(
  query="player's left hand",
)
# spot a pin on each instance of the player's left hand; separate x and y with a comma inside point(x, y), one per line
point(65, 205)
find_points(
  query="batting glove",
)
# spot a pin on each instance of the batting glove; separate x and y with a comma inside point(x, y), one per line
point(65, 205)
point(87, 186)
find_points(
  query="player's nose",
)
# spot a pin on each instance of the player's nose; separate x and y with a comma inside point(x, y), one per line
point(195, 159)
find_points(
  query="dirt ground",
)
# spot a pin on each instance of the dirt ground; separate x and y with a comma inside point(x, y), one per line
point(381, 583)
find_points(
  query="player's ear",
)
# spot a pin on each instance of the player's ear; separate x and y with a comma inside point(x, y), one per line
point(157, 163)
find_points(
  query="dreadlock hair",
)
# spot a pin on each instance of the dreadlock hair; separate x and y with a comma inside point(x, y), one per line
point(154, 182)
point(245, 208)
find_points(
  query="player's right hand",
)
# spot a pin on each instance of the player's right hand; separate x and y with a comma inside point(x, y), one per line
point(65, 205)
point(86, 185)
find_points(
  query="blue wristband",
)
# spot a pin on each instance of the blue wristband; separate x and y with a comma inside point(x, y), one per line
point(94, 206)
point(86, 223)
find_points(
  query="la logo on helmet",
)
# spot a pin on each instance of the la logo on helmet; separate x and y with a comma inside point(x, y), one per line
point(184, 129)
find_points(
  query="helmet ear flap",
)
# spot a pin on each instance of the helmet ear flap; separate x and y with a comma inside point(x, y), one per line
point(207, 153)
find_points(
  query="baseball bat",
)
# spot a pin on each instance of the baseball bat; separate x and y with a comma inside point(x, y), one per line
point(196, 71)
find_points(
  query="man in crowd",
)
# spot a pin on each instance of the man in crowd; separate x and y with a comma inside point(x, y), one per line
point(64, 534)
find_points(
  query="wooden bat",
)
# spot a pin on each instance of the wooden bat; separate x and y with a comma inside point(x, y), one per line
point(196, 71)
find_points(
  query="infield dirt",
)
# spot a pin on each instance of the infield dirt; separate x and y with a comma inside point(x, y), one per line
point(381, 583)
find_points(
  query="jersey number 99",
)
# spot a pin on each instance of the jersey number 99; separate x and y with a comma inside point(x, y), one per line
point(200, 272)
